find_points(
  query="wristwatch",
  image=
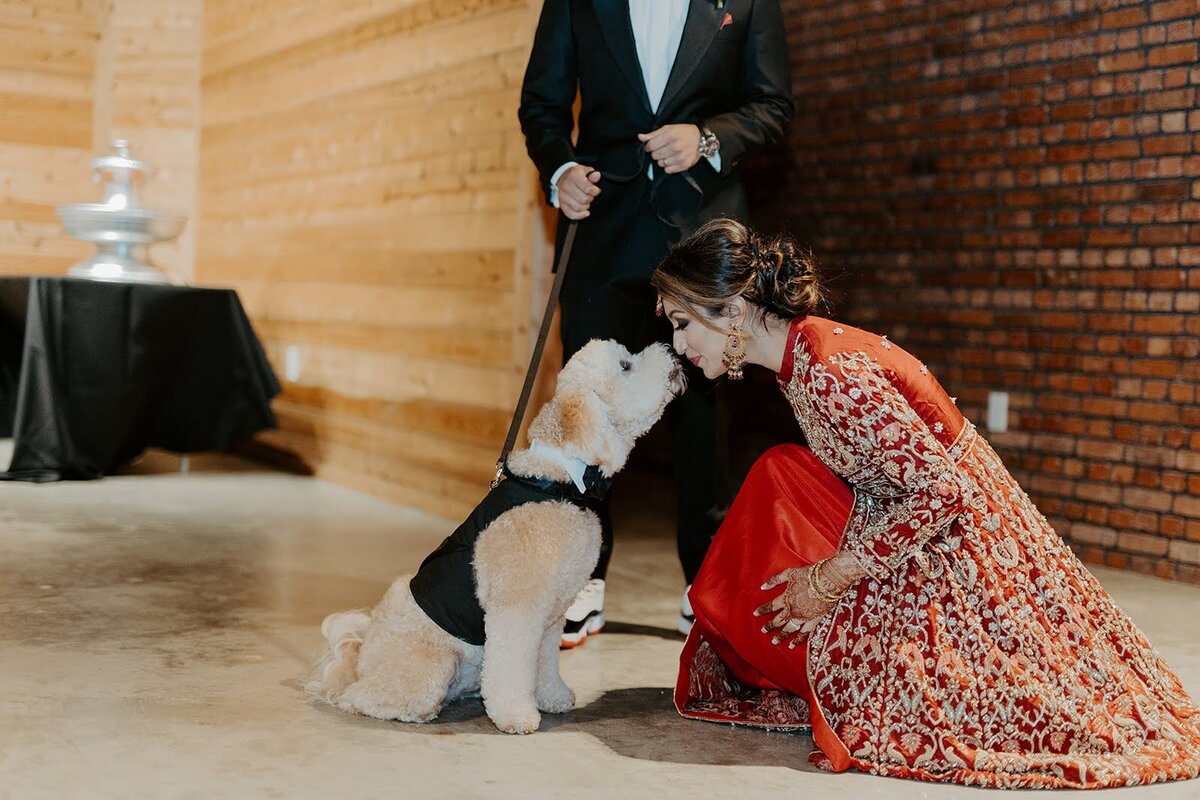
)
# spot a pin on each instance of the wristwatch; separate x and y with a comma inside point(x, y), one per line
point(709, 143)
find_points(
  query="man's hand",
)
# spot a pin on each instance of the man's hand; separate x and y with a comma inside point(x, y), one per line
point(576, 190)
point(674, 148)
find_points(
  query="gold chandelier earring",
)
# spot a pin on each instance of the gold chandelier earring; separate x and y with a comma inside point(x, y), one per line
point(734, 357)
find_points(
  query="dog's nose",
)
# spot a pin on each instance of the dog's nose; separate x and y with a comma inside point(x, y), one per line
point(677, 379)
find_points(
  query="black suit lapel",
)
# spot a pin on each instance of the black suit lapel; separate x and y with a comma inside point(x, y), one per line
point(613, 16)
point(700, 28)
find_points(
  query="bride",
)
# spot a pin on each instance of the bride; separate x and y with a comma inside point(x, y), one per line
point(890, 585)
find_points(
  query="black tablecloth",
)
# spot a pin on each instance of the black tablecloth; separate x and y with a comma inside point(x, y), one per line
point(93, 373)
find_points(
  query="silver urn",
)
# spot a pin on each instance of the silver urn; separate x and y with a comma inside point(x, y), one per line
point(118, 226)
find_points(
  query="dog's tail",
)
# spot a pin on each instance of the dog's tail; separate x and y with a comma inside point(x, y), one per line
point(337, 667)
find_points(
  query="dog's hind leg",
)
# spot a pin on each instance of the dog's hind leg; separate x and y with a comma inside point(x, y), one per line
point(553, 696)
point(402, 677)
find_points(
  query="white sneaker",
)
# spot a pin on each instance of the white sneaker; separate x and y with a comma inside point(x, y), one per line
point(686, 618)
point(585, 617)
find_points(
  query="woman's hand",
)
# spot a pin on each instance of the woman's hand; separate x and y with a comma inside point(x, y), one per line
point(796, 611)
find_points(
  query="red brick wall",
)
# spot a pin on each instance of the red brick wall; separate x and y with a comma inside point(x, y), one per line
point(1012, 191)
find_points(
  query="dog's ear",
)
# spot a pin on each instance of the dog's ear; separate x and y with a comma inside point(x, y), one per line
point(576, 420)
point(586, 432)
point(546, 426)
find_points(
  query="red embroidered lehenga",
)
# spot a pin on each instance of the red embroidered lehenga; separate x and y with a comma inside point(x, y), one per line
point(978, 650)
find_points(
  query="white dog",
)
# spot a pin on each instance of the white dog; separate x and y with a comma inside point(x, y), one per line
point(451, 630)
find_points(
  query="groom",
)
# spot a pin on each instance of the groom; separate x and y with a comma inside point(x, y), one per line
point(673, 94)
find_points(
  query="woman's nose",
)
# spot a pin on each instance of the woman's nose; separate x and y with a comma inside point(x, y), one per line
point(678, 342)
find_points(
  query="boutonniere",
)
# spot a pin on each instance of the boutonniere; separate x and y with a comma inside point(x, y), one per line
point(728, 20)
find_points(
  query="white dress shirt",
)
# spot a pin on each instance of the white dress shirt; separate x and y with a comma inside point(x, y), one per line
point(657, 29)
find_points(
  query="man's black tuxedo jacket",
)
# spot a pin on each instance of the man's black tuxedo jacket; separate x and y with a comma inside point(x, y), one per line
point(730, 73)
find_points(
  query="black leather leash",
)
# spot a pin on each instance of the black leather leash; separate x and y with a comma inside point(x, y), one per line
point(564, 257)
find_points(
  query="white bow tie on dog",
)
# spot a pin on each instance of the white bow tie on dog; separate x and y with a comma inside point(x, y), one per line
point(574, 466)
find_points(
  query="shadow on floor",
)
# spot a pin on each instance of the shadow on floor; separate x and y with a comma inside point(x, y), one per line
point(634, 629)
point(637, 723)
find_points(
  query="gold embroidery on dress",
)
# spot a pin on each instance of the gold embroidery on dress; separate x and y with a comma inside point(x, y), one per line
point(979, 648)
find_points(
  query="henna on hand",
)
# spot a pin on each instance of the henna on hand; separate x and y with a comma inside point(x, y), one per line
point(794, 612)
point(807, 596)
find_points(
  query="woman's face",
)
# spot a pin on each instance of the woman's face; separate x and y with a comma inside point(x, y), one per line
point(696, 341)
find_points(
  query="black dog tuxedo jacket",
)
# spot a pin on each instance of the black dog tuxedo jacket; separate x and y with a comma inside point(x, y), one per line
point(444, 586)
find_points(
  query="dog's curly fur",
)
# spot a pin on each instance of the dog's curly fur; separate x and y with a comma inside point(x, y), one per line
point(395, 663)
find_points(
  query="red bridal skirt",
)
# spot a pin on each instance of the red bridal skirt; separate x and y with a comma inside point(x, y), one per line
point(790, 512)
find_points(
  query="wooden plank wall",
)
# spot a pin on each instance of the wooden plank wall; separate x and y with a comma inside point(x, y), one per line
point(75, 74)
point(365, 188)
point(148, 92)
point(47, 67)
point(352, 167)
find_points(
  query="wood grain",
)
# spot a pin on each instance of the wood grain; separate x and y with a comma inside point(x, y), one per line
point(352, 167)
point(364, 186)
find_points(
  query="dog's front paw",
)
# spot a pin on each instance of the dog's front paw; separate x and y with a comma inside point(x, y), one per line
point(556, 699)
point(521, 719)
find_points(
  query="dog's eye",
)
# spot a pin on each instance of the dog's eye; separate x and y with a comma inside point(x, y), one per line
point(625, 365)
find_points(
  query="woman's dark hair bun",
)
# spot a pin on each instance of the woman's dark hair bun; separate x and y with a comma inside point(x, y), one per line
point(725, 259)
point(786, 281)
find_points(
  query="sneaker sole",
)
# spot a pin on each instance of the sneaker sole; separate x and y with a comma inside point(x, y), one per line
point(592, 627)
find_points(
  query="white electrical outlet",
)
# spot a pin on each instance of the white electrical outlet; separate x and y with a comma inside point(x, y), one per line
point(997, 412)
point(291, 363)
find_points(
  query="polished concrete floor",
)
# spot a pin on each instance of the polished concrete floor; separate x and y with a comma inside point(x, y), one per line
point(153, 629)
